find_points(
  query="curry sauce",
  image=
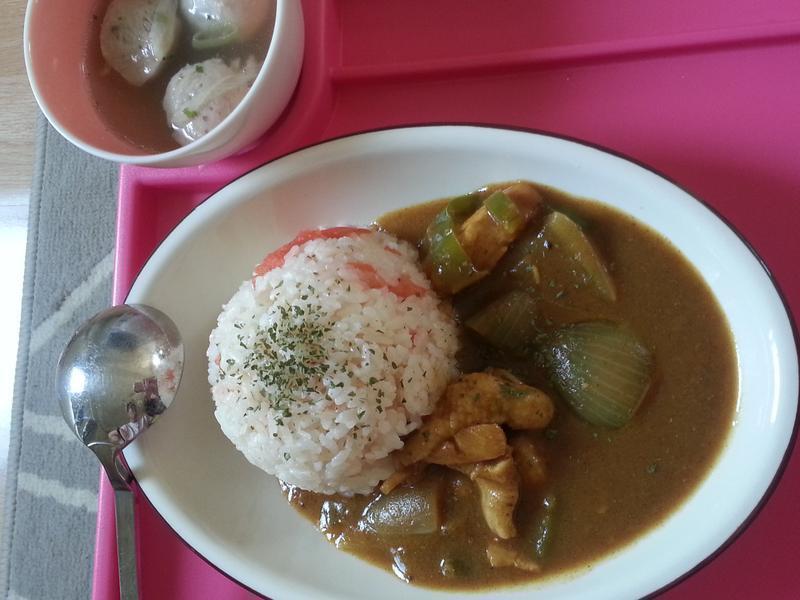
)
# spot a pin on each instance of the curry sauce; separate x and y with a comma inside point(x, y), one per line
point(604, 486)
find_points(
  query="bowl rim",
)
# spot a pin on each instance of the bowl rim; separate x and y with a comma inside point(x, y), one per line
point(199, 146)
point(793, 325)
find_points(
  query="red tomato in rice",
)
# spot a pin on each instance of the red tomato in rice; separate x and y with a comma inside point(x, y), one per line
point(372, 279)
point(276, 259)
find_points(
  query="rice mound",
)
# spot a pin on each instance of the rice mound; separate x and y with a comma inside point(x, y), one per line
point(317, 369)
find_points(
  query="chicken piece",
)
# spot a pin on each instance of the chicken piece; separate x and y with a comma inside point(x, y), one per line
point(500, 555)
point(403, 475)
point(484, 240)
point(503, 374)
point(474, 399)
point(525, 196)
point(470, 445)
point(395, 479)
point(498, 484)
point(530, 464)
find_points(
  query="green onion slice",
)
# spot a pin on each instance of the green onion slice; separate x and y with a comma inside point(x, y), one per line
point(215, 37)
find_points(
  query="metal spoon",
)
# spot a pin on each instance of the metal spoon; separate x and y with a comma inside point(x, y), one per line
point(118, 374)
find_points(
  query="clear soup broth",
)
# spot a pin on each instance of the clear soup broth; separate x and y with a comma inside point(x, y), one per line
point(135, 113)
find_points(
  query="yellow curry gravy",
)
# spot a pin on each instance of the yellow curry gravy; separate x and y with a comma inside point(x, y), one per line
point(608, 486)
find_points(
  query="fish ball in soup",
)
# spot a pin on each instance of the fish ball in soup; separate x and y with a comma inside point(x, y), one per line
point(200, 96)
point(229, 20)
point(137, 37)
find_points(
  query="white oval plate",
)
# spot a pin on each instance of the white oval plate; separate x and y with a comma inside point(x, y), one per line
point(235, 516)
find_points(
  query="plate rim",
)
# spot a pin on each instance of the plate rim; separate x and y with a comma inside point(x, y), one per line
point(793, 326)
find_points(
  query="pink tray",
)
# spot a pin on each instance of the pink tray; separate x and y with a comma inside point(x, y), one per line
point(704, 91)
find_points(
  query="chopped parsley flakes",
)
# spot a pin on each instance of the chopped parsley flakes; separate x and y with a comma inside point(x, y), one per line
point(289, 355)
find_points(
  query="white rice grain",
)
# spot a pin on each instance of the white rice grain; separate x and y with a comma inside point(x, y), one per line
point(385, 361)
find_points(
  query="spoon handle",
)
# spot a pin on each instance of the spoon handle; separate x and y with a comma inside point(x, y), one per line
point(126, 545)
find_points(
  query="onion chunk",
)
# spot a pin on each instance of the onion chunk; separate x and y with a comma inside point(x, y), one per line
point(601, 369)
point(407, 511)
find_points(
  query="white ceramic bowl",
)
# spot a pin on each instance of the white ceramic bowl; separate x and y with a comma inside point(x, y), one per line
point(235, 516)
point(56, 40)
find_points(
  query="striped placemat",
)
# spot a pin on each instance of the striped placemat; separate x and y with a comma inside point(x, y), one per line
point(51, 490)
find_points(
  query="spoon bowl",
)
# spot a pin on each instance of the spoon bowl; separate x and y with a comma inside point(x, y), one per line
point(118, 374)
